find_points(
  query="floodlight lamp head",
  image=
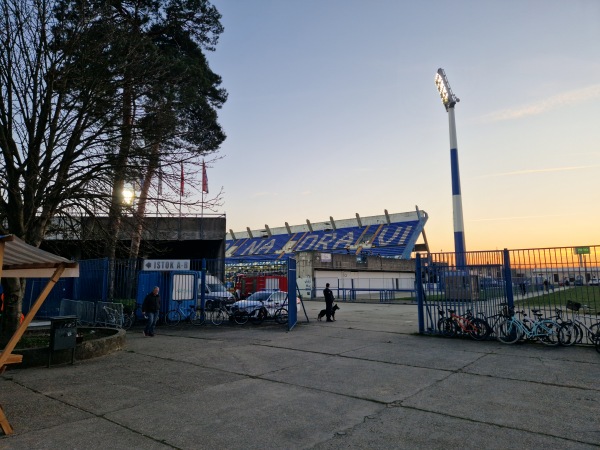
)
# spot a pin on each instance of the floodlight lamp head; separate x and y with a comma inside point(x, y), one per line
point(443, 87)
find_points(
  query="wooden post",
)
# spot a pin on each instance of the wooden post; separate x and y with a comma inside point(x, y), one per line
point(4, 423)
point(6, 357)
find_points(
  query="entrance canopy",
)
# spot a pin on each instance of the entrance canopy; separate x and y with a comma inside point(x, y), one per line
point(21, 260)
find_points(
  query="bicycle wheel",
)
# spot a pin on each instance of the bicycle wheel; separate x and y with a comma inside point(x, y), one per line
point(128, 320)
point(217, 317)
point(281, 316)
point(173, 317)
point(547, 332)
point(598, 345)
point(567, 334)
point(508, 332)
point(197, 317)
point(258, 316)
point(594, 332)
point(479, 329)
point(447, 327)
point(240, 317)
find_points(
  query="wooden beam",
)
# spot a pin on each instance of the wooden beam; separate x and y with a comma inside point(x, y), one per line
point(4, 423)
point(14, 340)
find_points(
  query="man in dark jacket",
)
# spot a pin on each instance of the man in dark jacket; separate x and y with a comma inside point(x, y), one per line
point(328, 302)
point(151, 308)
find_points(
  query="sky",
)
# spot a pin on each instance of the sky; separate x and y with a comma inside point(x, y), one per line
point(333, 111)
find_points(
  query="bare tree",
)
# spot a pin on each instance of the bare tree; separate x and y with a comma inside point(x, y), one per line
point(93, 95)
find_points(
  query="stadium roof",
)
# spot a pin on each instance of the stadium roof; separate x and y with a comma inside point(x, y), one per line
point(387, 235)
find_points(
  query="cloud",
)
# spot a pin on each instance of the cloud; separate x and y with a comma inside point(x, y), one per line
point(551, 103)
point(530, 171)
point(497, 219)
point(263, 194)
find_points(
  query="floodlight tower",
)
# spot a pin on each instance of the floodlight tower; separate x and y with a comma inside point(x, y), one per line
point(449, 100)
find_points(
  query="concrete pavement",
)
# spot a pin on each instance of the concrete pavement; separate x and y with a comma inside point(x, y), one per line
point(365, 381)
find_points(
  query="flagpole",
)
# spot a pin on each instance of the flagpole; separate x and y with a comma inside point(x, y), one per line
point(204, 188)
point(180, 199)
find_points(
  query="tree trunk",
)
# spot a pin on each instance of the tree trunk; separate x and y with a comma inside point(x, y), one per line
point(143, 201)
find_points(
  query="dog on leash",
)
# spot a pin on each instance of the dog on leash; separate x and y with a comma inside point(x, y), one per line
point(324, 311)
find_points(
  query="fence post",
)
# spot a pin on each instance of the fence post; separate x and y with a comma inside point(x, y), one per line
point(203, 284)
point(106, 280)
point(419, 286)
point(508, 280)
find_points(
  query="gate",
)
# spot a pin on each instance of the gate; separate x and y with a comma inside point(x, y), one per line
point(244, 277)
point(555, 281)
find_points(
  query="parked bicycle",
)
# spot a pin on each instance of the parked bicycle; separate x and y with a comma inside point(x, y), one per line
point(194, 314)
point(110, 317)
point(475, 327)
point(572, 331)
point(218, 313)
point(494, 320)
point(513, 329)
point(130, 315)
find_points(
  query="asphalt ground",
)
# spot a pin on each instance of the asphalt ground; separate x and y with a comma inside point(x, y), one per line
point(365, 381)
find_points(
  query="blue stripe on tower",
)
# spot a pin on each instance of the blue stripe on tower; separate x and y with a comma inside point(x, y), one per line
point(459, 249)
point(455, 171)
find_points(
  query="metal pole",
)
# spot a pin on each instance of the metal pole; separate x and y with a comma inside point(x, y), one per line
point(459, 228)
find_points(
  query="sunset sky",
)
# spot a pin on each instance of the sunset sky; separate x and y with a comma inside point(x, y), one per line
point(333, 111)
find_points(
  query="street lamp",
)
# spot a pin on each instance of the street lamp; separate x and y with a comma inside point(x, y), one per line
point(450, 100)
point(128, 195)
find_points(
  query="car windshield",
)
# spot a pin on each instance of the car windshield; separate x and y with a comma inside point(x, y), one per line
point(278, 297)
point(259, 296)
point(215, 287)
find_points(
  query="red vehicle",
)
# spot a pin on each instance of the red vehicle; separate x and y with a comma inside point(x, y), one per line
point(246, 284)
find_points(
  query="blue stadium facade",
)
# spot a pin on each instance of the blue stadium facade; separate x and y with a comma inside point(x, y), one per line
point(387, 235)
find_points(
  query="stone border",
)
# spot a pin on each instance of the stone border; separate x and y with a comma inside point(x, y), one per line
point(35, 357)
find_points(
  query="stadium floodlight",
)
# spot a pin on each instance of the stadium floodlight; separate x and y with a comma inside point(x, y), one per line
point(443, 87)
point(449, 100)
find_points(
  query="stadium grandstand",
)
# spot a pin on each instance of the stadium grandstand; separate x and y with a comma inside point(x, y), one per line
point(386, 236)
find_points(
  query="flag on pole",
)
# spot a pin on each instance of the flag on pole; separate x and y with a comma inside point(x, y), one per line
point(181, 189)
point(204, 178)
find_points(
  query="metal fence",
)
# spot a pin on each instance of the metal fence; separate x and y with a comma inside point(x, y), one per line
point(105, 314)
point(89, 296)
point(552, 281)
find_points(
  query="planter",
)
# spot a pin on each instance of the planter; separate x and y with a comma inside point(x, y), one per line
point(109, 340)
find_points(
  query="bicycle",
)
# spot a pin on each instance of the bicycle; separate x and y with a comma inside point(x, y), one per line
point(494, 320)
point(130, 316)
point(194, 315)
point(475, 327)
point(573, 331)
point(218, 313)
point(275, 307)
point(513, 329)
point(110, 317)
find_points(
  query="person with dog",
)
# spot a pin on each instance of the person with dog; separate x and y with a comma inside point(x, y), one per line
point(151, 308)
point(328, 302)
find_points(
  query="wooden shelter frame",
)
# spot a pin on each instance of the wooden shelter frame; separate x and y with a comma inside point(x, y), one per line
point(21, 260)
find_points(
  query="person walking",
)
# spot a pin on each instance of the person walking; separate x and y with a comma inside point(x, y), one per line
point(151, 308)
point(328, 302)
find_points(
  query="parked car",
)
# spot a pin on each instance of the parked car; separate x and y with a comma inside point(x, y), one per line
point(594, 282)
point(271, 300)
point(214, 292)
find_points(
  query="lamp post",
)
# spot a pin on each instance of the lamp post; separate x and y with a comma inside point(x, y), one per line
point(128, 195)
point(449, 100)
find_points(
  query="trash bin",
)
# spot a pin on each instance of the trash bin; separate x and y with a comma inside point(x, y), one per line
point(63, 335)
